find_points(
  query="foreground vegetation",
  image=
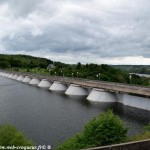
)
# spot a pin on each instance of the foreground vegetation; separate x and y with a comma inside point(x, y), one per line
point(10, 136)
point(142, 136)
point(24, 63)
point(105, 129)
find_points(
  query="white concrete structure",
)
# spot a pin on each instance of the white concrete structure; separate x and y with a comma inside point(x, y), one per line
point(76, 90)
point(58, 86)
point(134, 101)
point(10, 76)
point(100, 95)
point(14, 77)
point(20, 78)
point(45, 83)
point(3, 74)
point(6, 75)
point(27, 79)
point(34, 81)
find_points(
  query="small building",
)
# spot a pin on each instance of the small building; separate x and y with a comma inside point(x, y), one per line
point(51, 66)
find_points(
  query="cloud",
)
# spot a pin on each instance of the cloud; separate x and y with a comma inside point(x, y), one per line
point(21, 8)
point(70, 29)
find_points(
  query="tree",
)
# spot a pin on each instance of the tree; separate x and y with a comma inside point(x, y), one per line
point(9, 135)
point(32, 64)
point(78, 65)
point(43, 64)
point(102, 130)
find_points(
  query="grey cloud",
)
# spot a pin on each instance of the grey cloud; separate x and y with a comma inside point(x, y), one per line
point(21, 8)
point(101, 32)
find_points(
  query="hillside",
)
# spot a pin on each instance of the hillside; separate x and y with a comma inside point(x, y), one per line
point(22, 61)
point(25, 63)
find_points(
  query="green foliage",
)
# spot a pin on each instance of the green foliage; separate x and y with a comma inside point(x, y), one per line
point(147, 128)
point(139, 80)
point(4, 64)
point(25, 61)
point(103, 130)
point(9, 135)
point(14, 62)
point(78, 65)
point(144, 135)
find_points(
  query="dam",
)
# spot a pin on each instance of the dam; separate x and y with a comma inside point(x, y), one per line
point(133, 96)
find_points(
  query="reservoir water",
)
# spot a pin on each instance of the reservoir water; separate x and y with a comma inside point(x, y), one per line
point(49, 118)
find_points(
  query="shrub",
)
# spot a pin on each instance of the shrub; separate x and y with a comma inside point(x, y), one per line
point(103, 130)
point(10, 136)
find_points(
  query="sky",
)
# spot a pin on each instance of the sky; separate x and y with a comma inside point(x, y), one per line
point(71, 31)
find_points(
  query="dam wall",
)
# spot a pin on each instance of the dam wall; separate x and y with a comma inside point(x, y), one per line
point(27, 79)
point(100, 95)
point(134, 101)
point(20, 78)
point(76, 90)
point(6, 75)
point(44, 84)
point(14, 77)
point(58, 86)
point(3, 74)
point(34, 81)
point(10, 76)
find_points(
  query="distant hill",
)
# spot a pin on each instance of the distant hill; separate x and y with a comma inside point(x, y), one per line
point(139, 69)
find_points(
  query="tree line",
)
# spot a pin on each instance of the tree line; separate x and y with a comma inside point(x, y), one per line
point(91, 71)
point(22, 61)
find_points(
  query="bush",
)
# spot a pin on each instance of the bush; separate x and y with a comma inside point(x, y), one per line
point(10, 136)
point(103, 130)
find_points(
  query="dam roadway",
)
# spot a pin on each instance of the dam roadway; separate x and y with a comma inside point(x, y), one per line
point(107, 86)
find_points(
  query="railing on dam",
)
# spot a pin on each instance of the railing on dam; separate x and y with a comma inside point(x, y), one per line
point(137, 145)
point(108, 86)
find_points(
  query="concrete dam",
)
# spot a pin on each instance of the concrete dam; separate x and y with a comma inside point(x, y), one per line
point(133, 96)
